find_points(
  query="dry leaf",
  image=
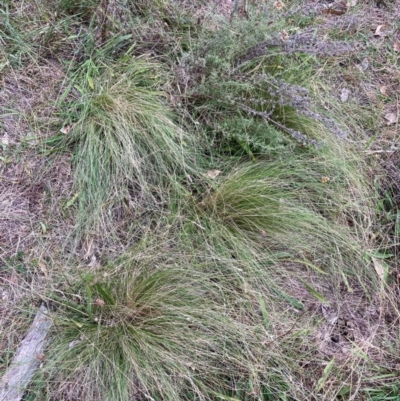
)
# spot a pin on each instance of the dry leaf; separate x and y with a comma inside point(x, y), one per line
point(99, 302)
point(396, 45)
point(214, 173)
point(379, 30)
point(344, 95)
point(5, 140)
point(324, 180)
point(73, 343)
point(383, 90)
point(380, 269)
point(364, 65)
point(263, 233)
point(89, 248)
point(391, 118)
point(339, 8)
point(43, 227)
point(93, 261)
point(65, 129)
point(279, 5)
point(330, 314)
point(283, 35)
point(331, 11)
point(43, 268)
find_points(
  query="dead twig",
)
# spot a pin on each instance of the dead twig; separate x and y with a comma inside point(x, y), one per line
point(26, 359)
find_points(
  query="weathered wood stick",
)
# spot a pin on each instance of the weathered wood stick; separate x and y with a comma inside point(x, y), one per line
point(27, 358)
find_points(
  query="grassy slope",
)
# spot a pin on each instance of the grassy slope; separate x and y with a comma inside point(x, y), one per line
point(192, 240)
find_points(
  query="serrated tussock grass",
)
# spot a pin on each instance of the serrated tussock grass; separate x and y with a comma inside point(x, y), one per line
point(126, 142)
point(159, 327)
point(293, 206)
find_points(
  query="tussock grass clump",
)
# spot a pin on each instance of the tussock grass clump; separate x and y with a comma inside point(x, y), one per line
point(125, 141)
point(160, 326)
point(292, 206)
point(21, 33)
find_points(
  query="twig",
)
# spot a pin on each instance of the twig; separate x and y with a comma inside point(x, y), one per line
point(26, 359)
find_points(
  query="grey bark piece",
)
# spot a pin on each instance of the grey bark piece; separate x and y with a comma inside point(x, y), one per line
point(26, 359)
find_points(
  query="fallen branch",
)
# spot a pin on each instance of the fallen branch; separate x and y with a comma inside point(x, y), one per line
point(26, 359)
